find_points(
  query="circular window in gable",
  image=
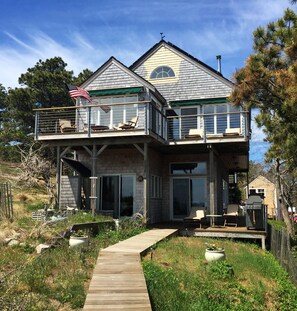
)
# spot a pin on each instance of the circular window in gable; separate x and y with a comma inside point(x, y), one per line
point(162, 72)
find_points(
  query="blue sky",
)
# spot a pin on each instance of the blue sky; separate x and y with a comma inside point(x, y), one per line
point(86, 33)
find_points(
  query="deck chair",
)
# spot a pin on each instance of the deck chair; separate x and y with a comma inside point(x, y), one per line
point(196, 216)
point(195, 134)
point(232, 132)
point(65, 126)
point(231, 215)
point(128, 125)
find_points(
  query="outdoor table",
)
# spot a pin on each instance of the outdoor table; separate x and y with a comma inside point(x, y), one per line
point(212, 218)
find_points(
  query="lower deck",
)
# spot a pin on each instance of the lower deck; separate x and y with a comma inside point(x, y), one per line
point(218, 232)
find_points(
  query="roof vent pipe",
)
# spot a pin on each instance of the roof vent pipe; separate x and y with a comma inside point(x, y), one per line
point(219, 58)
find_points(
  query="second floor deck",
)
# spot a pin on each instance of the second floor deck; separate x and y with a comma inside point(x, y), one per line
point(173, 126)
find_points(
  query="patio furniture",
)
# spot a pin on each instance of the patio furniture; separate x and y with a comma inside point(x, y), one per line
point(99, 128)
point(195, 134)
point(232, 132)
point(66, 126)
point(231, 215)
point(212, 218)
point(196, 216)
point(128, 125)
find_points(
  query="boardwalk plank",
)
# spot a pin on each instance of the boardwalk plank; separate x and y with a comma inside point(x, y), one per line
point(118, 281)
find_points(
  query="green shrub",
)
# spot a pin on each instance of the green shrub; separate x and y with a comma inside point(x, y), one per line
point(221, 270)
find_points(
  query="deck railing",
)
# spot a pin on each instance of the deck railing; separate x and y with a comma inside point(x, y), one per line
point(90, 119)
point(100, 118)
point(213, 125)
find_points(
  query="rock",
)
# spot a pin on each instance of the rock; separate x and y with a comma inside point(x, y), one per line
point(42, 247)
point(13, 242)
point(7, 240)
point(16, 236)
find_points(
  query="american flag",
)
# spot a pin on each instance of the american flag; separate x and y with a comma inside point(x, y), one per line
point(76, 91)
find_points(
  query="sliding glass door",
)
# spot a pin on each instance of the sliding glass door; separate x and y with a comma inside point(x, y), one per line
point(117, 195)
point(187, 193)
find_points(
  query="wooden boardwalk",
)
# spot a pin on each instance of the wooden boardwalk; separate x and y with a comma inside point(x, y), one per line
point(118, 281)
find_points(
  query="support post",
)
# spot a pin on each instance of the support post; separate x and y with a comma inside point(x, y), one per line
point(93, 179)
point(146, 183)
point(211, 181)
point(58, 177)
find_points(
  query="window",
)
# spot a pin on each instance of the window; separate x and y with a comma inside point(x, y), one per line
point(162, 72)
point(257, 191)
point(188, 168)
point(156, 187)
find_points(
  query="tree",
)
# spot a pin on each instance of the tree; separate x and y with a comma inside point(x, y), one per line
point(43, 87)
point(268, 81)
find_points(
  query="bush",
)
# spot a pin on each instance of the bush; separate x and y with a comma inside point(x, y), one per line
point(221, 270)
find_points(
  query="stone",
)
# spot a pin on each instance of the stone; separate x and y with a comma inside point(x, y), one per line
point(41, 248)
point(13, 242)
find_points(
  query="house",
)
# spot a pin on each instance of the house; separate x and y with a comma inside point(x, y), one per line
point(159, 138)
point(267, 190)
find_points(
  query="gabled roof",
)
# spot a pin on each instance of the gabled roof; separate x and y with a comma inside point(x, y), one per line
point(186, 55)
point(113, 60)
point(263, 178)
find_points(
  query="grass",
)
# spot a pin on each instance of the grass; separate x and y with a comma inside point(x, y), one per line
point(178, 278)
point(56, 279)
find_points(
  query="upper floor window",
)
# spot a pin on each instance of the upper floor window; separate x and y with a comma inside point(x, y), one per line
point(162, 72)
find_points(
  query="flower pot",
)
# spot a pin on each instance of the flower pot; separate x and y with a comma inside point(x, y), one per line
point(215, 255)
point(78, 241)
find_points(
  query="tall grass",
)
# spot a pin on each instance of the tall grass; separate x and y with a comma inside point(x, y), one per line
point(58, 278)
point(178, 278)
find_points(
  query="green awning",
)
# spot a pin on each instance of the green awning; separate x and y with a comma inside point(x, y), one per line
point(128, 90)
point(190, 102)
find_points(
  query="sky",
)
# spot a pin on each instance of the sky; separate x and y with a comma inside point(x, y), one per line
point(87, 33)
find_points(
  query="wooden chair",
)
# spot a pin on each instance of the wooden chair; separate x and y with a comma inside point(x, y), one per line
point(196, 216)
point(195, 134)
point(128, 125)
point(66, 126)
point(231, 215)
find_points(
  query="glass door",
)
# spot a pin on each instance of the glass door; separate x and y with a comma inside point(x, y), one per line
point(110, 194)
point(117, 194)
point(187, 193)
point(180, 195)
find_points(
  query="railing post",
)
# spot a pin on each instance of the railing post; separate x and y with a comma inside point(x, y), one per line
point(89, 121)
point(36, 124)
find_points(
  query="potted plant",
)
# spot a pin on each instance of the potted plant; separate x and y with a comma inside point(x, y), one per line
point(214, 253)
point(78, 239)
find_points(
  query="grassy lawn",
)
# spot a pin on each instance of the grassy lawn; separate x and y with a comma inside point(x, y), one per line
point(179, 279)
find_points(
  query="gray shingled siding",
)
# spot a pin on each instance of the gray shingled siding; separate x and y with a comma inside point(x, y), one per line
point(194, 83)
point(70, 187)
point(113, 77)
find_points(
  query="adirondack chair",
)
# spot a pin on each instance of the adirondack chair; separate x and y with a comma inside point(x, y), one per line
point(196, 216)
point(231, 215)
point(128, 125)
point(66, 126)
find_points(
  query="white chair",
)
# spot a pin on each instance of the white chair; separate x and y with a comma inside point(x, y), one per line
point(196, 216)
point(195, 133)
point(232, 132)
point(231, 215)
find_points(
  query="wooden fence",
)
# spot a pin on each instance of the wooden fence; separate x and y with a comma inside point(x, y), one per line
point(281, 248)
point(6, 210)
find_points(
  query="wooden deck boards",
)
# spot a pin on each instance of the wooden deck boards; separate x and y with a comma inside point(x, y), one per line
point(118, 281)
